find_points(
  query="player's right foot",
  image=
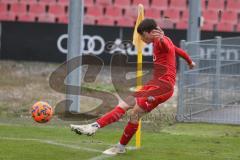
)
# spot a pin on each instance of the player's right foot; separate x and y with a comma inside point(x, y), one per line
point(117, 149)
point(88, 129)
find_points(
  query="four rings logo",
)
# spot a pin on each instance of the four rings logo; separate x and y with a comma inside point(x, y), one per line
point(91, 44)
point(96, 45)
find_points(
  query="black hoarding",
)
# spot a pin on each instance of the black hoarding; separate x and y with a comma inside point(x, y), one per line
point(48, 42)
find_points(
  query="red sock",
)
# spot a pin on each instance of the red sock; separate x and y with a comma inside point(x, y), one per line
point(129, 131)
point(111, 116)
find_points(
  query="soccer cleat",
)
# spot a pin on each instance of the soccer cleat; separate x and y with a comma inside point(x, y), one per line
point(117, 149)
point(88, 129)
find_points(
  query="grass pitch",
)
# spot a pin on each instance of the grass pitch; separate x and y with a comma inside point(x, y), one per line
point(180, 141)
point(24, 83)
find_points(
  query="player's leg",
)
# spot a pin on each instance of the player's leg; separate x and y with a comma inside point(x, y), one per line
point(110, 117)
point(128, 133)
point(144, 105)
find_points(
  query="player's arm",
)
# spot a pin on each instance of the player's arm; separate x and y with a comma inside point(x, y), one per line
point(158, 33)
point(185, 56)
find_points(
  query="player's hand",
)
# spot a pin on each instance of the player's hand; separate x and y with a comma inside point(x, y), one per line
point(157, 33)
point(192, 65)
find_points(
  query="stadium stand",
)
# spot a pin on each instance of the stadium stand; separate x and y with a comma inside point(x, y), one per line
point(45, 17)
point(57, 9)
point(152, 13)
point(26, 17)
point(145, 3)
point(178, 4)
point(238, 28)
point(124, 12)
point(215, 4)
point(113, 11)
point(229, 17)
point(173, 14)
point(184, 15)
point(208, 26)
point(163, 4)
point(226, 27)
point(122, 3)
point(37, 8)
point(233, 5)
point(182, 24)
point(127, 22)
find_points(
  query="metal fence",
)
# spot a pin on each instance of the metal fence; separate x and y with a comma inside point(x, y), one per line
point(211, 91)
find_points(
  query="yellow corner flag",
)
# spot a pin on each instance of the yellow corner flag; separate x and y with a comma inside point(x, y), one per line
point(139, 44)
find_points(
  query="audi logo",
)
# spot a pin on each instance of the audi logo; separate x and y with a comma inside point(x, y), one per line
point(91, 44)
point(96, 45)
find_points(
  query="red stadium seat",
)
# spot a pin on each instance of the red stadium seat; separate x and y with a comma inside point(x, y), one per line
point(3, 7)
point(215, 5)
point(49, 18)
point(105, 21)
point(208, 26)
point(89, 20)
point(145, 3)
point(184, 15)
point(37, 8)
point(9, 1)
point(210, 16)
point(122, 3)
point(233, 5)
point(113, 11)
point(63, 19)
point(94, 11)
point(47, 1)
point(152, 13)
point(126, 22)
point(7, 16)
point(165, 23)
point(88, 3)
point(28, 1)
point(131, 12)
point(159, 4)
point(64, 2)
point(225, 27)
point(26, 17)
point(203, 5)
point(238, 28)
point(179, 4)
point(56, 9)
point(104, 2)
point(182, 25)
point(229, 17)
point(172, 14)
point(19, 8)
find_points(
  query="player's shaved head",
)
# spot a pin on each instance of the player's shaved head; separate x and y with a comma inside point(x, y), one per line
point(147, 25)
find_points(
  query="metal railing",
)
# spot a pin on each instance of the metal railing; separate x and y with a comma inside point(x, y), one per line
point(211, 91)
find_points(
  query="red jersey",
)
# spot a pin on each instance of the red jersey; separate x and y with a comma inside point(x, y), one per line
point(164, 54)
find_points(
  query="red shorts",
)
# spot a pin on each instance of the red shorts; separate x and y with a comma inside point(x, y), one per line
point(164, 95)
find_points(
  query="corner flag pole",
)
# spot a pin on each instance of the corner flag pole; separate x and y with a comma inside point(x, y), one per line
point(138, 43)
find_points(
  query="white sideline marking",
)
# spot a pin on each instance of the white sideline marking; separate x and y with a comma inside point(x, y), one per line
point(53, 143)
point(101, 157)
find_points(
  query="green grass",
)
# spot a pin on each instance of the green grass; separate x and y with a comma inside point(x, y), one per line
point(180, 141)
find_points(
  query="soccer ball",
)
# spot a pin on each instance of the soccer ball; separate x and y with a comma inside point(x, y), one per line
point(42, 112)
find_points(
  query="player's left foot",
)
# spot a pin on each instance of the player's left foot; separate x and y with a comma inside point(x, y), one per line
point(88, 129)
point(117, 149)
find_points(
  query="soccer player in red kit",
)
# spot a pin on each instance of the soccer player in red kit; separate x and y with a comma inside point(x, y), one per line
point(153, 93)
